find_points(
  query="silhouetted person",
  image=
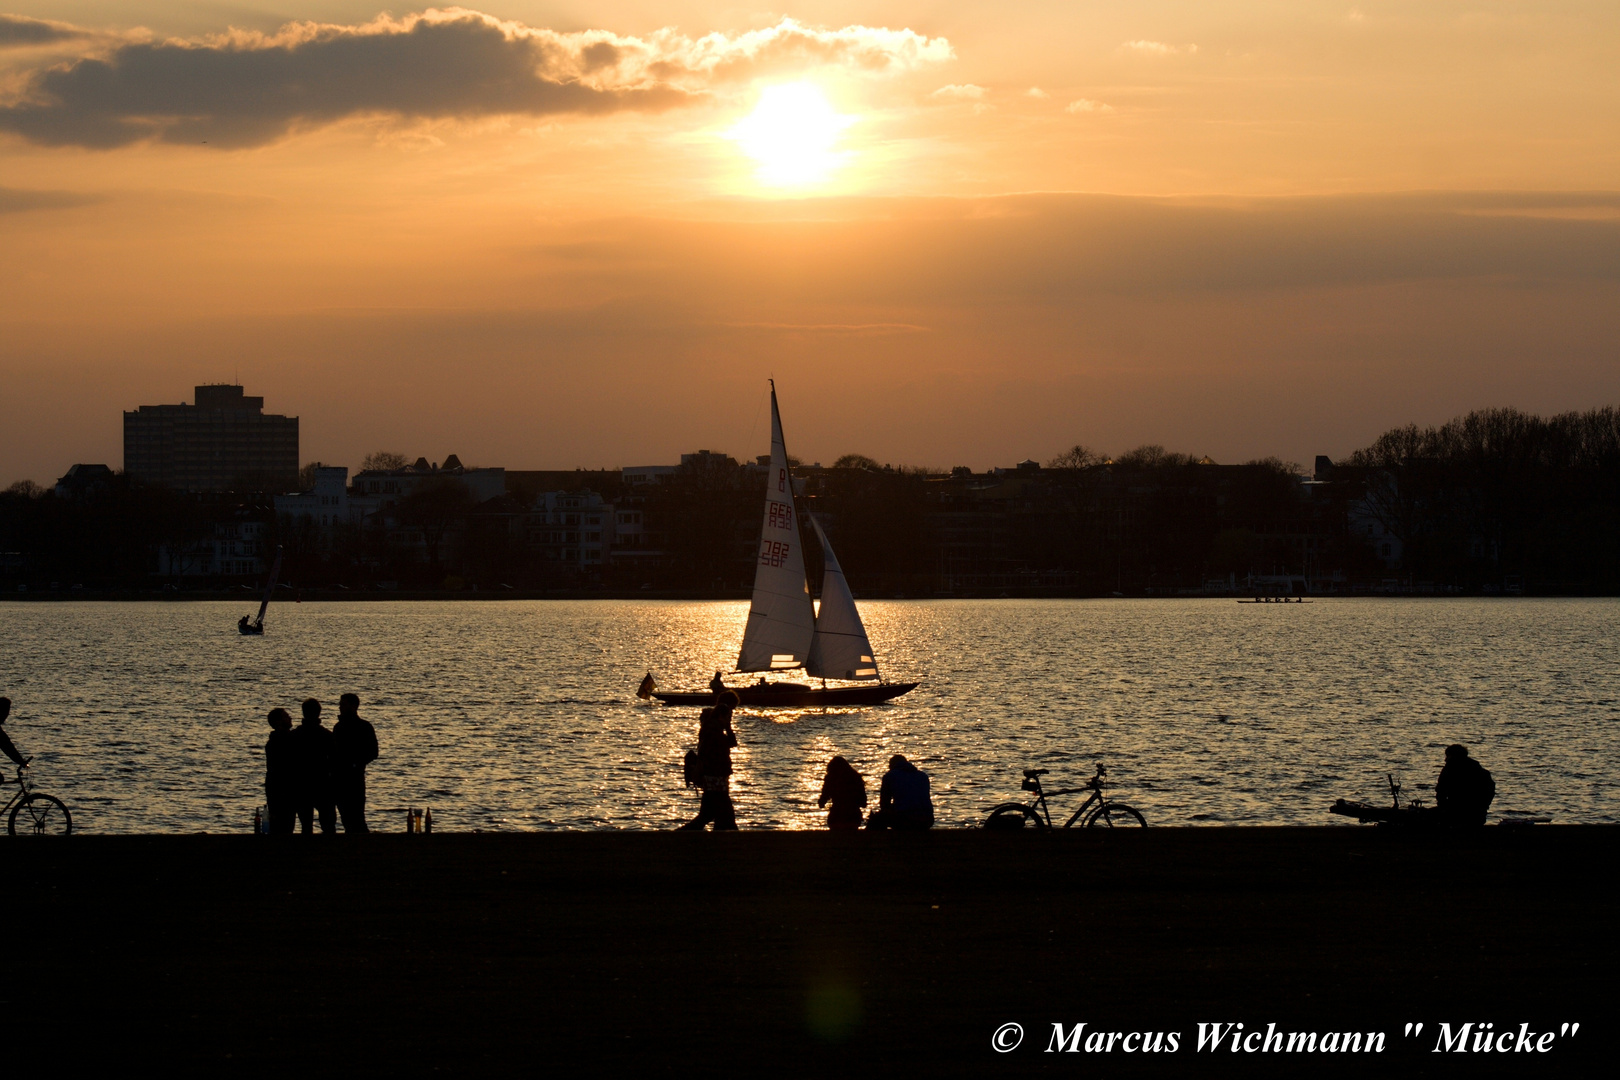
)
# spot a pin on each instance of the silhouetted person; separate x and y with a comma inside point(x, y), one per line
point(717, 684)
point(354, 746)
point(903, 798)
point(5, 740)
point(844, 788)
point(313, 746)
point(715, 740)
point(1465, 789)
point(281, 774)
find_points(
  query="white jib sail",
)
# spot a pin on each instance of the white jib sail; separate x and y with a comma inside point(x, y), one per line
point(840, 649)
point(781, 618)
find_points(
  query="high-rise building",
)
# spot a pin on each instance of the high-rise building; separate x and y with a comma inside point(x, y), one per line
point(223, 442)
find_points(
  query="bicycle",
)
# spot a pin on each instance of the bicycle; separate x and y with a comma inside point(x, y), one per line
point(1106, 814)
point(40, 814)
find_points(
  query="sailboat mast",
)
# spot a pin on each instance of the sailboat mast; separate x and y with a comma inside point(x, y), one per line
point(793, 499)
point(781, 616)
point(270, 587)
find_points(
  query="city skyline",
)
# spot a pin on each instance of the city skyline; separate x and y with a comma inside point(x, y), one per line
point(1218, 228)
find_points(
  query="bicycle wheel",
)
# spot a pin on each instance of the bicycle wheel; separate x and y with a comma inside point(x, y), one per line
point(1114, 815)
point(40, 815)
point(1010, 816)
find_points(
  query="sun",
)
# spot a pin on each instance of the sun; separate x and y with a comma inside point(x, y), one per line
point(793, 134)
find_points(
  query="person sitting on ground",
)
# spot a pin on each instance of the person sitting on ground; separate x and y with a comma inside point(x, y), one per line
point(281, 774)
point(1465, 789)
point(715, 740)
point(5, 740)
point(903, 798)
point(845, 789)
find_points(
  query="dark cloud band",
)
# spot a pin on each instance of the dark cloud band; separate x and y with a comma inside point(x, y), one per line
point(243, 89)
point(248, 93)
point(19, 30)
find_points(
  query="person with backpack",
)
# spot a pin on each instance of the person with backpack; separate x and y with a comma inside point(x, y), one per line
point(715, 743)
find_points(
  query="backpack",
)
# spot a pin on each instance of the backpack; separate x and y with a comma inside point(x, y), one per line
point(692, 769)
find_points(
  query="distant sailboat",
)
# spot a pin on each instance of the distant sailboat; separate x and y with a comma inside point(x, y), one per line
point(256, 626)
point(784, 631)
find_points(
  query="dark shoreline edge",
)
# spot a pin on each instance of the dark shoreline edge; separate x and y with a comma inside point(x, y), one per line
point(327, 595)
point(801, 953)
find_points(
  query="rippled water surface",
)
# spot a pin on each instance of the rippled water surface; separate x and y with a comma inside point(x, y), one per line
point(522, 715)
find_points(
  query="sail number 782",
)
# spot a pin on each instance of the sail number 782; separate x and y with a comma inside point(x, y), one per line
point(773, 553)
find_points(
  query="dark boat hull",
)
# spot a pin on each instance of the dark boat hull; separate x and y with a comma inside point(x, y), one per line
point(250, 630)
point(791, 696)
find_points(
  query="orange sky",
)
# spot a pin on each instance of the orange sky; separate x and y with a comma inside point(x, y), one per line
point(549, 235)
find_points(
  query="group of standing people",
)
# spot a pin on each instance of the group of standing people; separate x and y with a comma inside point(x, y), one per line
point(316, 773)
point(904, 799)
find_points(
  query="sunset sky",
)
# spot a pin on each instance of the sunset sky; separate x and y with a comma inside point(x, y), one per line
point(548, 235)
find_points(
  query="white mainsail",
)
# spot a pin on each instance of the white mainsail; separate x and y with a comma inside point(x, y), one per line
point(781, 618)
point(840, 649)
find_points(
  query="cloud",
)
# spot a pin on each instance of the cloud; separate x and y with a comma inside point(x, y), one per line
point(1086, 105)
point(1036, 92)
point(244, 88)
point(17, 30)
point(1143, 47)
point(961, 92)
point(22, 200)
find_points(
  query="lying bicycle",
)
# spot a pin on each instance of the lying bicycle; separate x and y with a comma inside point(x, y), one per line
point(1103, 813)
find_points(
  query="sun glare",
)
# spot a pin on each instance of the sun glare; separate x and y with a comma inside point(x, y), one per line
point(792, 133)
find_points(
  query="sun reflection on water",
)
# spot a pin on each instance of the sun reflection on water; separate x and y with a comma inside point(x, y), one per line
point(518, 715)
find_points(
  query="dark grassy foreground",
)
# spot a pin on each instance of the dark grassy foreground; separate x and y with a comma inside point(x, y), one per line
point(798, 954)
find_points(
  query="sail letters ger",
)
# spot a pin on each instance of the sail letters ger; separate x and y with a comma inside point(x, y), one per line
point(781, 618)
point(840, 649)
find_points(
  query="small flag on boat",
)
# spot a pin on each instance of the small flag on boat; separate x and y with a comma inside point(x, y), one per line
point(648, 685)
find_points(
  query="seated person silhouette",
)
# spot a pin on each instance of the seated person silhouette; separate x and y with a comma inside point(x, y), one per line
point(1465, 789)
point(903, 799)
point(844, 788)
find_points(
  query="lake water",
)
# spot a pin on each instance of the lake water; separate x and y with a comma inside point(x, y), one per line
point(521, 715)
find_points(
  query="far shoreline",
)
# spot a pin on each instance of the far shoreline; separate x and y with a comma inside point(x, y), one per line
point(324, 595)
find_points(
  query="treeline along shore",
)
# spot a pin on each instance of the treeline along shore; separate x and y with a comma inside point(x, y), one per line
point(816, 954)
point(1495, 502)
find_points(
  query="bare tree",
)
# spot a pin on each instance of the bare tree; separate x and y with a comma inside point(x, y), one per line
point(384, 461)
point(1076, 457)
point(1153, 456)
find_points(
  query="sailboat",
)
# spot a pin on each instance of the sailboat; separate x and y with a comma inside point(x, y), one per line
point(784, 630)
point(256, 626)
